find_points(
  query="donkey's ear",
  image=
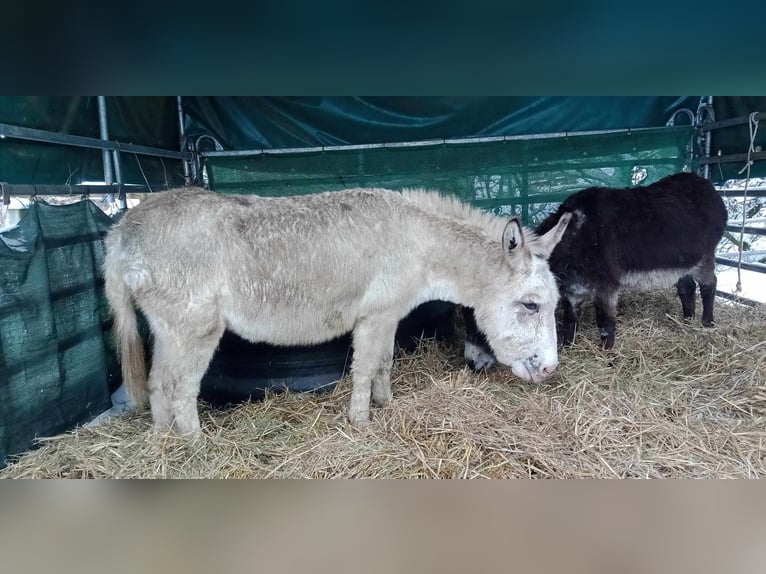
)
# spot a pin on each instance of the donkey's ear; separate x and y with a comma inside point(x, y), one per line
point(513, 236)
point(549, 241)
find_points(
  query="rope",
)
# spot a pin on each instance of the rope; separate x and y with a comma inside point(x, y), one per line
point(753, 125)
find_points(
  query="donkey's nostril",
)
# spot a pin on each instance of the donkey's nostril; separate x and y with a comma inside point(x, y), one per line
point(547, 370)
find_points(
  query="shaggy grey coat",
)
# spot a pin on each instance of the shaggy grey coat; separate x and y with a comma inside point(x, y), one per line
point(301, 270)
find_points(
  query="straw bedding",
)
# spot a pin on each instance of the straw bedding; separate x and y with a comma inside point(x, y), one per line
point(672, 399)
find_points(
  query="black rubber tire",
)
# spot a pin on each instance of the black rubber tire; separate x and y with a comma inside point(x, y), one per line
point(242, 371)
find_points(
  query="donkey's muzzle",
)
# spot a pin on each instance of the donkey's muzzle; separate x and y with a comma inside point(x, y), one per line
point(534, 369)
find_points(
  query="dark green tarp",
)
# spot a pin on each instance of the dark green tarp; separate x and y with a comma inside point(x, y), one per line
point(242, 123)
point(283, 122)
point(527, 176)
point(149, 121)
point(261, 122)
point(57, 365)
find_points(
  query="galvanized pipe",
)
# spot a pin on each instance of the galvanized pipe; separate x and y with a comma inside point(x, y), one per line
point(738, 299)
point(708, 139)
point(32, 134)
point(705, 107)
point(757, 267)
point(748, 229)
point(117, 166)
point(414, 144)
point(104, 133)
point(122, 200)
point(734, 158)
point(182, 134)
point(738, 121)
point(28, 190)
point(752, 192)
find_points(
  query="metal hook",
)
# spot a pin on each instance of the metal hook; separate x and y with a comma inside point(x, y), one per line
point(216, 143)
point(672, 120)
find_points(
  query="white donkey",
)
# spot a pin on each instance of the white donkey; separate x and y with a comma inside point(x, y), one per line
point(301, 270)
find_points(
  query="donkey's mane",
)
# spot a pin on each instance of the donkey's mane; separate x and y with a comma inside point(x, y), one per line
point(487, 224)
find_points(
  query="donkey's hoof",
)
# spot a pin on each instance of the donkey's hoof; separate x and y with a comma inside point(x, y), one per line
point(606, 343)
point(708, 323)
point(187, 426)
point(477, 358)
point(383, 399)
point(360, 419)
point(172, 433)
point(162, 429)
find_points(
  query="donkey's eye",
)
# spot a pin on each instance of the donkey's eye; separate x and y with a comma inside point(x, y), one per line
point(534, 307)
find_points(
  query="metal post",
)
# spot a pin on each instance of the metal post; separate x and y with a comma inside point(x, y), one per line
point(117, 167)
point(104, 132)
point(182, 134)
point(110, 158)
point(708, 141)
point(705, 116)
point(122, 200)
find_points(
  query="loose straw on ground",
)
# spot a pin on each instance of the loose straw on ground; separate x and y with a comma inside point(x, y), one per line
point(672, 399)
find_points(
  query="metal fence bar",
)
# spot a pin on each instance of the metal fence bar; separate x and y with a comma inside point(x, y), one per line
point(757, 267)
point(421, 143)
point(733, 158)
point(738, 121)
point(732, 255)
point(532, 199)
point(748, 229)
point(21, 189)
point(754, 192)
point(738, 299)
point(32, 134)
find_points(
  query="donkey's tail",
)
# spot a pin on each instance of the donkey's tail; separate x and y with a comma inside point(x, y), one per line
point(130, 347)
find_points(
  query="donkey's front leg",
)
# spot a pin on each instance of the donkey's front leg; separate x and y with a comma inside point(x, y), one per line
point(373, 341)
point(572, 306)
point(381, 382)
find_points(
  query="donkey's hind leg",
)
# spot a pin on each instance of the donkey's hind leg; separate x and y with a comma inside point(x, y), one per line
point(381, 381)
point(687, 291)
point(704, 274)
point(181, 357)
point(605, 303)
point(373, 341)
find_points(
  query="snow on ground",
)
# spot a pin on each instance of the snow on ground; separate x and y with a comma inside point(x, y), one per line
point(753, 283)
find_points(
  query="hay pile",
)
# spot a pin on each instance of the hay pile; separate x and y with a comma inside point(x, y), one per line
point(671, 400)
